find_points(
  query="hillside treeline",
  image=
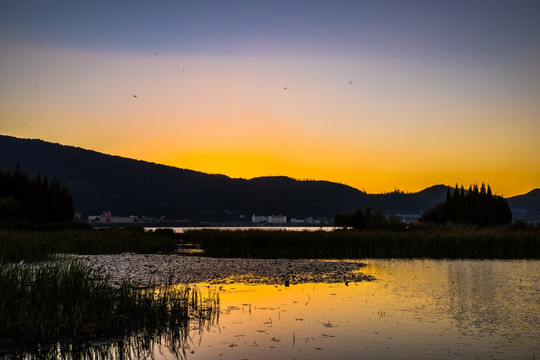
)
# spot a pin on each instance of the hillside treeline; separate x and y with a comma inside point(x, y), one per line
point(477, 206)
point(35, 200)
point(359, 219)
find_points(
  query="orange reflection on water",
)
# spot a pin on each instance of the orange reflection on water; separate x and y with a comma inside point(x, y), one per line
point(264, 321)
point(422, 309)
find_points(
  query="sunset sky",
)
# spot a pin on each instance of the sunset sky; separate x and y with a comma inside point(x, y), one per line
point(374, 94)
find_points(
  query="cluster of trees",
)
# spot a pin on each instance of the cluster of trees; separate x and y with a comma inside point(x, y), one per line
point(475, 206)
point(359, 219)
point(36, 200)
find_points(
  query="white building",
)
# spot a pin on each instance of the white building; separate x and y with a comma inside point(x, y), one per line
point(93, 218)
point(122, 219)
point(277, 219)
point(259, 219)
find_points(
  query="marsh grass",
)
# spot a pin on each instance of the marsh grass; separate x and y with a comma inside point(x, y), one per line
point(422, 242)
point(72, 303)
point(41, 245)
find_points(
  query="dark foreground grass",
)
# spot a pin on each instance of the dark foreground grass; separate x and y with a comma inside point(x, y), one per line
point(17, 245)
point(427, 242)
point(72, 303)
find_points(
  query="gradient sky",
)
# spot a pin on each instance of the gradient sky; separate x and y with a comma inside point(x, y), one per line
point(374, 94)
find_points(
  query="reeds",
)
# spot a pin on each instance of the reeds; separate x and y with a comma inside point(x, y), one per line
point(421, 242)
point(70, 302)
point(40, 245)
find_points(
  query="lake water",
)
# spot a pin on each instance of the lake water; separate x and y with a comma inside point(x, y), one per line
point(417, 309)
point(181, 230)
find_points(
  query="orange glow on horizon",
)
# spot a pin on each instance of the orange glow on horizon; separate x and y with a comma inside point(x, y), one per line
point(232, 115)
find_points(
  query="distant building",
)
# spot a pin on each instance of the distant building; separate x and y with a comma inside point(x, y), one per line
point(319, 221)
point(259, 219)
point(93, 218)
point(277, 219)
point(298, 221)
point(107, 218)
point(122, 219)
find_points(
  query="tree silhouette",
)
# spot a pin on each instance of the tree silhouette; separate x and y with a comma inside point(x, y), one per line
point(34, 200)
point(358, 219)
point(476, 206)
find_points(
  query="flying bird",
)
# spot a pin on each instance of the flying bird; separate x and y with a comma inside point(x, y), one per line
point(134, 96)
point(350, 82)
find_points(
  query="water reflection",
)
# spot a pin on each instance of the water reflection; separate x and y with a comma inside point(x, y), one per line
point(139, 346)
point(495, 301)
point(181, 230)
point(420, 309)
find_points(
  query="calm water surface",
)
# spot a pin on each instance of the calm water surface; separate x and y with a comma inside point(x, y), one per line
point(417, 309)
point(243, 228)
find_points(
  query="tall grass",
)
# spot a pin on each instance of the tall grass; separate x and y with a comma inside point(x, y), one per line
point(430, 242)
point(71, 302)
point(40, 245)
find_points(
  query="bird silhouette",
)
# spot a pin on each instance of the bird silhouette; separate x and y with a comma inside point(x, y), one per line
point(134, 96)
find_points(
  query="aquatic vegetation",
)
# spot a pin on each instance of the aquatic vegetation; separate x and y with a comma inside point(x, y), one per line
point(434, 241)
point(161, 268)
point(40, 245)
point(414, 242)
point(71, 302)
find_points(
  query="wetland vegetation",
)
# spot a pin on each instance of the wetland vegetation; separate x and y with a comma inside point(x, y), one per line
point(412, 242)
point(73, 303)
point(31, 245)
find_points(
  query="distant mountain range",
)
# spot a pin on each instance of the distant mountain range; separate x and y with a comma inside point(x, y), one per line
point(125, 186)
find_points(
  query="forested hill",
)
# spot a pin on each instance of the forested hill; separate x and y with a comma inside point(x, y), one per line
point(124, 186)
point(529, 201)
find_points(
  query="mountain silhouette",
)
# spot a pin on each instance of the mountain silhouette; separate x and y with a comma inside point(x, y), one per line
point(125, 186)
point(526, 207)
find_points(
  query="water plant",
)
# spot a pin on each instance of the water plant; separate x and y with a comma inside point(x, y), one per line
point(414, 242)
point(73, 303)
point(40, 245)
